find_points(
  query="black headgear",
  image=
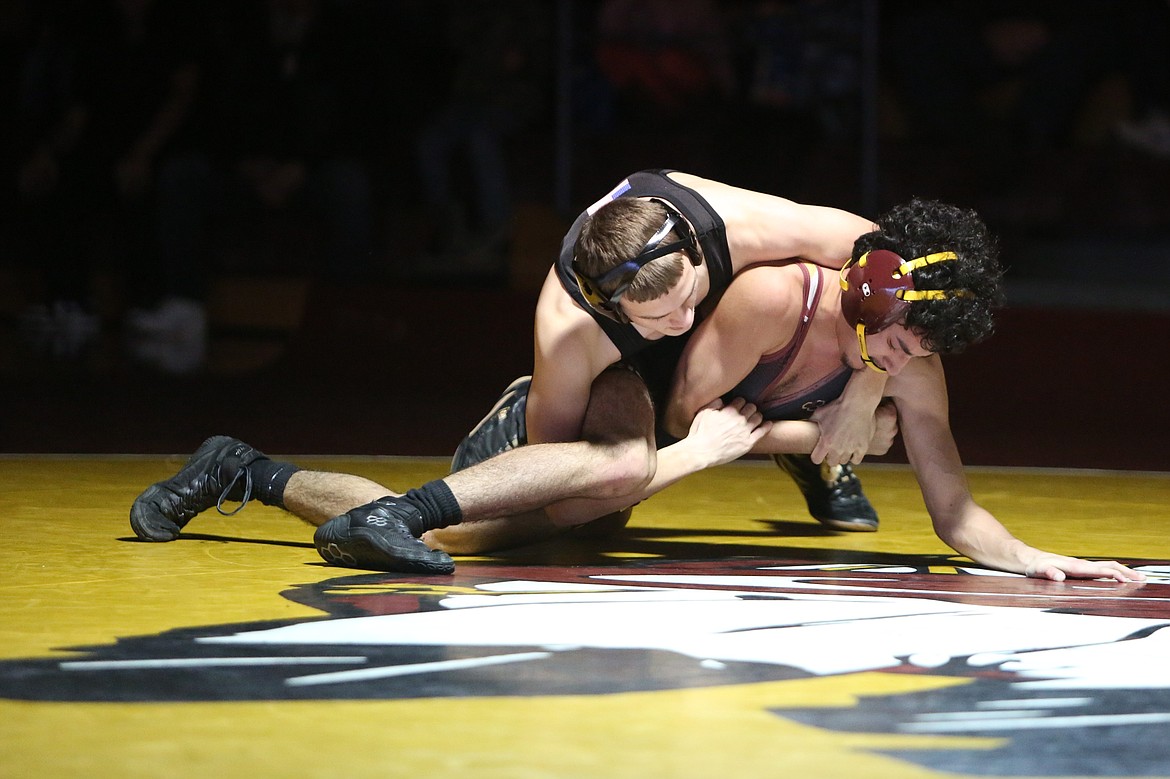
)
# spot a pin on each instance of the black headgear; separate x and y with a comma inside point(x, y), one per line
point(609, 305)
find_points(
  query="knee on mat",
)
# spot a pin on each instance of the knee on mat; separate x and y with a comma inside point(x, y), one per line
point(604, 527)
point(474, 538)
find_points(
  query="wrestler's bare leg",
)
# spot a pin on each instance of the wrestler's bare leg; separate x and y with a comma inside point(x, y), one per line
point(616, 457)
point(493, 535)
point(620, 415)
point(318, 496)
point(618, 421)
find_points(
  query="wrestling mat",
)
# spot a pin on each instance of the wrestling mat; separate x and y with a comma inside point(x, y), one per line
point(723, 633)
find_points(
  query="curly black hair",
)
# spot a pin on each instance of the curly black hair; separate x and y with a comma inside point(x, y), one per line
point(922, 227)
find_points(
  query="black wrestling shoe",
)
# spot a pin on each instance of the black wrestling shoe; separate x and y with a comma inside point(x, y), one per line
point(376, 537)
point(217, 472)
point(832, 492)
point(503, 428)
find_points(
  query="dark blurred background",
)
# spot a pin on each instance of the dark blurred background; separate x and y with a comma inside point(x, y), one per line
point(320, 225)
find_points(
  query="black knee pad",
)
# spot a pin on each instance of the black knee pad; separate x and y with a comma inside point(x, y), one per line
point(502, 429)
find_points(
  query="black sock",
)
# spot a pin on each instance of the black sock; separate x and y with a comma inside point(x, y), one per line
point(269, 478)
point(437, 504)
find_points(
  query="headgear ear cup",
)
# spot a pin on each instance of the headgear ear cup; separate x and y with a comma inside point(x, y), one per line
point(870, 288)
point(596, 299)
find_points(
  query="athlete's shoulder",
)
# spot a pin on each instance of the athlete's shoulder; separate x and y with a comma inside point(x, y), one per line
point(921, 382)
point(556, 304)
point(775, 285)
point(563, 322)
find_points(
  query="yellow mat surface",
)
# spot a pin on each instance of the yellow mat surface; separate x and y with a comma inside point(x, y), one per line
point(723, 633)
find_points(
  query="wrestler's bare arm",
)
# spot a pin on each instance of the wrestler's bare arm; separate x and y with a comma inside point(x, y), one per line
point(920, 394)
point(757, 315)
point(749, 322)
point(719, 434)
point(762, 227)
point(848, 425)
point(571, 350)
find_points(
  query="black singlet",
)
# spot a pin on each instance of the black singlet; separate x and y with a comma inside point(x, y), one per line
point(708, 227)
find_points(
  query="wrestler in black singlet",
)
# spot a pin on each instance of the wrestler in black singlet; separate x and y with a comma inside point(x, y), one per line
point(654, 360)
point(707, 224)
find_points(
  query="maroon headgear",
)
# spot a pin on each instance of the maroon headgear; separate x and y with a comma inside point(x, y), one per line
point(878, 288)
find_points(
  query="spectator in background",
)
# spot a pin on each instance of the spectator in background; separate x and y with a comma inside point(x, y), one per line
point(498, 86)
point(806, 57)
point(292, 121)
point(1145, 53)
point(670, 73)
point(1021, 98)
point(663, 56)
point(1016, 72)
point(17, 35)
point(108, 88)
point(289, 86)
point(798, 63)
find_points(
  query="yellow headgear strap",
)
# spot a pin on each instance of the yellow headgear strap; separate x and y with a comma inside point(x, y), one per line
point(873, 366)
point(912, 265)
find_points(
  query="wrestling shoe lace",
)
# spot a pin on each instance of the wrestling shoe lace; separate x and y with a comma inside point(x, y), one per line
point(217, 472)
